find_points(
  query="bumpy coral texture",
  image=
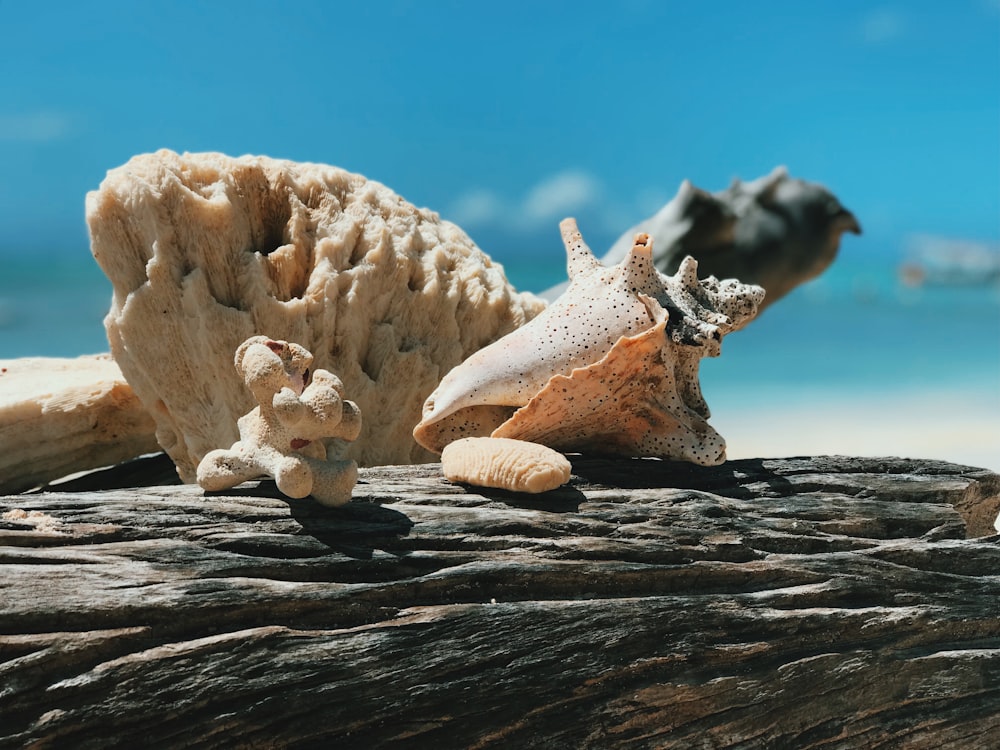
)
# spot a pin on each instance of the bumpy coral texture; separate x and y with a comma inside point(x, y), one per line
point(283, 436)
point(611, 366)
point(503, 463)
point(205, 250)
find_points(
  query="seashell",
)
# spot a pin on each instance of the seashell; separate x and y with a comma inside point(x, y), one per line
point(504, 463)
point(610, 366)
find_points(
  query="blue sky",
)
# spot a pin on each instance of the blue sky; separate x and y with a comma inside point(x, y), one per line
point(507, 116)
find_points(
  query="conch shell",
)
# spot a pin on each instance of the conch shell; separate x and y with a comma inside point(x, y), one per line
point(610, 367)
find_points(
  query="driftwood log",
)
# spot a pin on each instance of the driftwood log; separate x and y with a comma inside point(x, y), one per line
point(809, 603)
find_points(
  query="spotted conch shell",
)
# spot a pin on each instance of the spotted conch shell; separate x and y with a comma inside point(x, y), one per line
point(609, 367)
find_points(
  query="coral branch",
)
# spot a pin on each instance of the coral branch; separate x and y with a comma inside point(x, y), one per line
point(282, 436)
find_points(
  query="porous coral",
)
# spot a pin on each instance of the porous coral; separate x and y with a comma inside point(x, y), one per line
point(284, 435)
point(205, 251)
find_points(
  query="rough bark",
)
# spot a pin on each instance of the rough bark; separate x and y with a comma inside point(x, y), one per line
point(809, 602)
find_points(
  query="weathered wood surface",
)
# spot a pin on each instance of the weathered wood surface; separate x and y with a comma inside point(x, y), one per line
point(808, 603)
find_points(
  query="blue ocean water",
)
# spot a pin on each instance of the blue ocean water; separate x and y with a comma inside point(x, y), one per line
point(52, 306)
point(855, 328)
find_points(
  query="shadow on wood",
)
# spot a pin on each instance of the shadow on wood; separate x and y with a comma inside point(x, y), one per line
point(812, 602)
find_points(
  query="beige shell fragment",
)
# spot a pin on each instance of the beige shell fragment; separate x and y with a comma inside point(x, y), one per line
point(621, 347)
point(59, 416)
point(505, 464)
point(205, 251)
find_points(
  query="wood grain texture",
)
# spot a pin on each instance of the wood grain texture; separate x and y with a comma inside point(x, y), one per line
point(822, 602)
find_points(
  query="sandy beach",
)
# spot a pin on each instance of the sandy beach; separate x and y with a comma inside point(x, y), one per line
point(961, 425)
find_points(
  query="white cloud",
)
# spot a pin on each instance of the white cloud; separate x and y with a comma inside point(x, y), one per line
point(561, 195)
point(477, 208)
point(883, 25)
point(572, 192)
point(35, 127)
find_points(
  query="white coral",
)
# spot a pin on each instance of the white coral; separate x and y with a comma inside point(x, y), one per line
point(205, 250)
point(282, 436)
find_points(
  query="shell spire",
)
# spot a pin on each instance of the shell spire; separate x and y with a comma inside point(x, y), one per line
point(688, 272)
point(580, 260)
point(639, 267)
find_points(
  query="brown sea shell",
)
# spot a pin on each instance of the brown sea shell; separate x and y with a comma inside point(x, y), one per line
point(611, 366)
point(626, 404)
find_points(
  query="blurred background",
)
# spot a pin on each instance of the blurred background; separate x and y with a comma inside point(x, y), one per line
point(506, 117)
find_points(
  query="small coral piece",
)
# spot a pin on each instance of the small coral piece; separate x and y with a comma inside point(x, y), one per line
point(514, 465)
point(42, 521)
point(282, 437)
